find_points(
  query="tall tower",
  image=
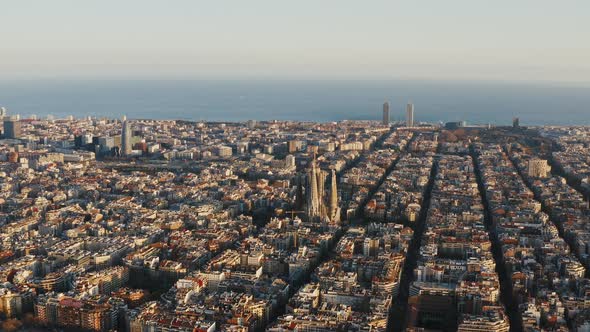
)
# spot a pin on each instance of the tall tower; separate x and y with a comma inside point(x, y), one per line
point(126, 138)
point(386, 113)
point(515, 122)
point(12, 128)
point(320, 183)
point(322, 175)
point(334, 213)
point(410, 115)
point(313, 208)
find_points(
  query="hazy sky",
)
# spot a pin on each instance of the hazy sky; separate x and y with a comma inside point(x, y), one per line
point(436, 39)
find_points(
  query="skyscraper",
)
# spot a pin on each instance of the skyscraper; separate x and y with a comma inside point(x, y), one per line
point(386, 113)
point(515, 122)
point(126, 138)
point(410, 115)
point(12, 128)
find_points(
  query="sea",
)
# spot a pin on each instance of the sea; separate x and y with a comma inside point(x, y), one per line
point(301, 100)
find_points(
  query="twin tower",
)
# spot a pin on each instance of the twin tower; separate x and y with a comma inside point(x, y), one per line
point(409, 114)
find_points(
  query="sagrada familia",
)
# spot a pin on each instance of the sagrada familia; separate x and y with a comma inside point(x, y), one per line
point(319, 204)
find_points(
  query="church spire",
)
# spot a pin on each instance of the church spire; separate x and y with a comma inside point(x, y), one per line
point(334, 213)
point(313, 207)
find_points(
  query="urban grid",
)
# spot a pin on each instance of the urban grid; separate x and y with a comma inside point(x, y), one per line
point(166, 225)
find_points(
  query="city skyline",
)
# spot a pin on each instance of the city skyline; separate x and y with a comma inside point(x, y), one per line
point(334, 165)
point(324, 101)
point(348, 226)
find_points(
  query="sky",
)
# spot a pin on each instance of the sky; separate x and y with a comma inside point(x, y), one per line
point(508, 40)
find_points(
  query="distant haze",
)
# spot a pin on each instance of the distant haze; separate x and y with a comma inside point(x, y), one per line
point(307, 100)
point(524, 40)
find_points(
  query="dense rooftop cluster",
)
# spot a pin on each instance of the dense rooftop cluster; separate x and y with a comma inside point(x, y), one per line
point(357, 182)
point(400, 197)
point(573, 155)
point(167, 238)
point(547, 280)
point(354, 290)
point(141, 225)
point(455, 280)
